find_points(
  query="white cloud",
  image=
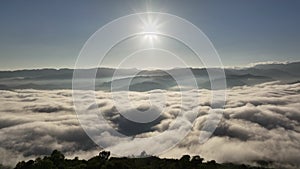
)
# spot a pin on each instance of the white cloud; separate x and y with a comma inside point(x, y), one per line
point(260, 122)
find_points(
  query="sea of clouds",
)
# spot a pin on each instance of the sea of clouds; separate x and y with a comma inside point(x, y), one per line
point(260, 122)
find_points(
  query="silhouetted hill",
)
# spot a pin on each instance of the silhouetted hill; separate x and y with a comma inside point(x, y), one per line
point(58, 161)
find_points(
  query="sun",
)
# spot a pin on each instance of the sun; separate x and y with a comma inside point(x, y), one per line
point(150, 29)
point(150, 26)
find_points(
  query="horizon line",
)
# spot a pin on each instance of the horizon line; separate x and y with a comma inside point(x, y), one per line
point(153, 69)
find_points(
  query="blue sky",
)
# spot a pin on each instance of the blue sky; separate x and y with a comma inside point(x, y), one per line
point(40, 33)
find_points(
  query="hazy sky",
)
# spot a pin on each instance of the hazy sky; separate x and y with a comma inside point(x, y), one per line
point(40, 33)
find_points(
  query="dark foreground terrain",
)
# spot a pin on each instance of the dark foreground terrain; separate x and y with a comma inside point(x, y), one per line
point(58, 161)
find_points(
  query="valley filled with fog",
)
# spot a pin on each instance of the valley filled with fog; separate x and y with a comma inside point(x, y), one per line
point(260, 120)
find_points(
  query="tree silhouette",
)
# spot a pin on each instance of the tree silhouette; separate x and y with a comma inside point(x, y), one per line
point(104, 155)
point(58, 161)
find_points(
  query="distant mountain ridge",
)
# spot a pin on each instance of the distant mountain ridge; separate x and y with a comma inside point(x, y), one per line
point(159, 79)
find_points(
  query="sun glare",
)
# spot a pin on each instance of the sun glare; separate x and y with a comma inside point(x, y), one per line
point(150, 29)
point(150, 37)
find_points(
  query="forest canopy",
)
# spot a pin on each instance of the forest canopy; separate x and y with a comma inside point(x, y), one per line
point(57, 160)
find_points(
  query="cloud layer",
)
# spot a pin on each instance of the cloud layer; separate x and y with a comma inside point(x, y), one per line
point(260, 122)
